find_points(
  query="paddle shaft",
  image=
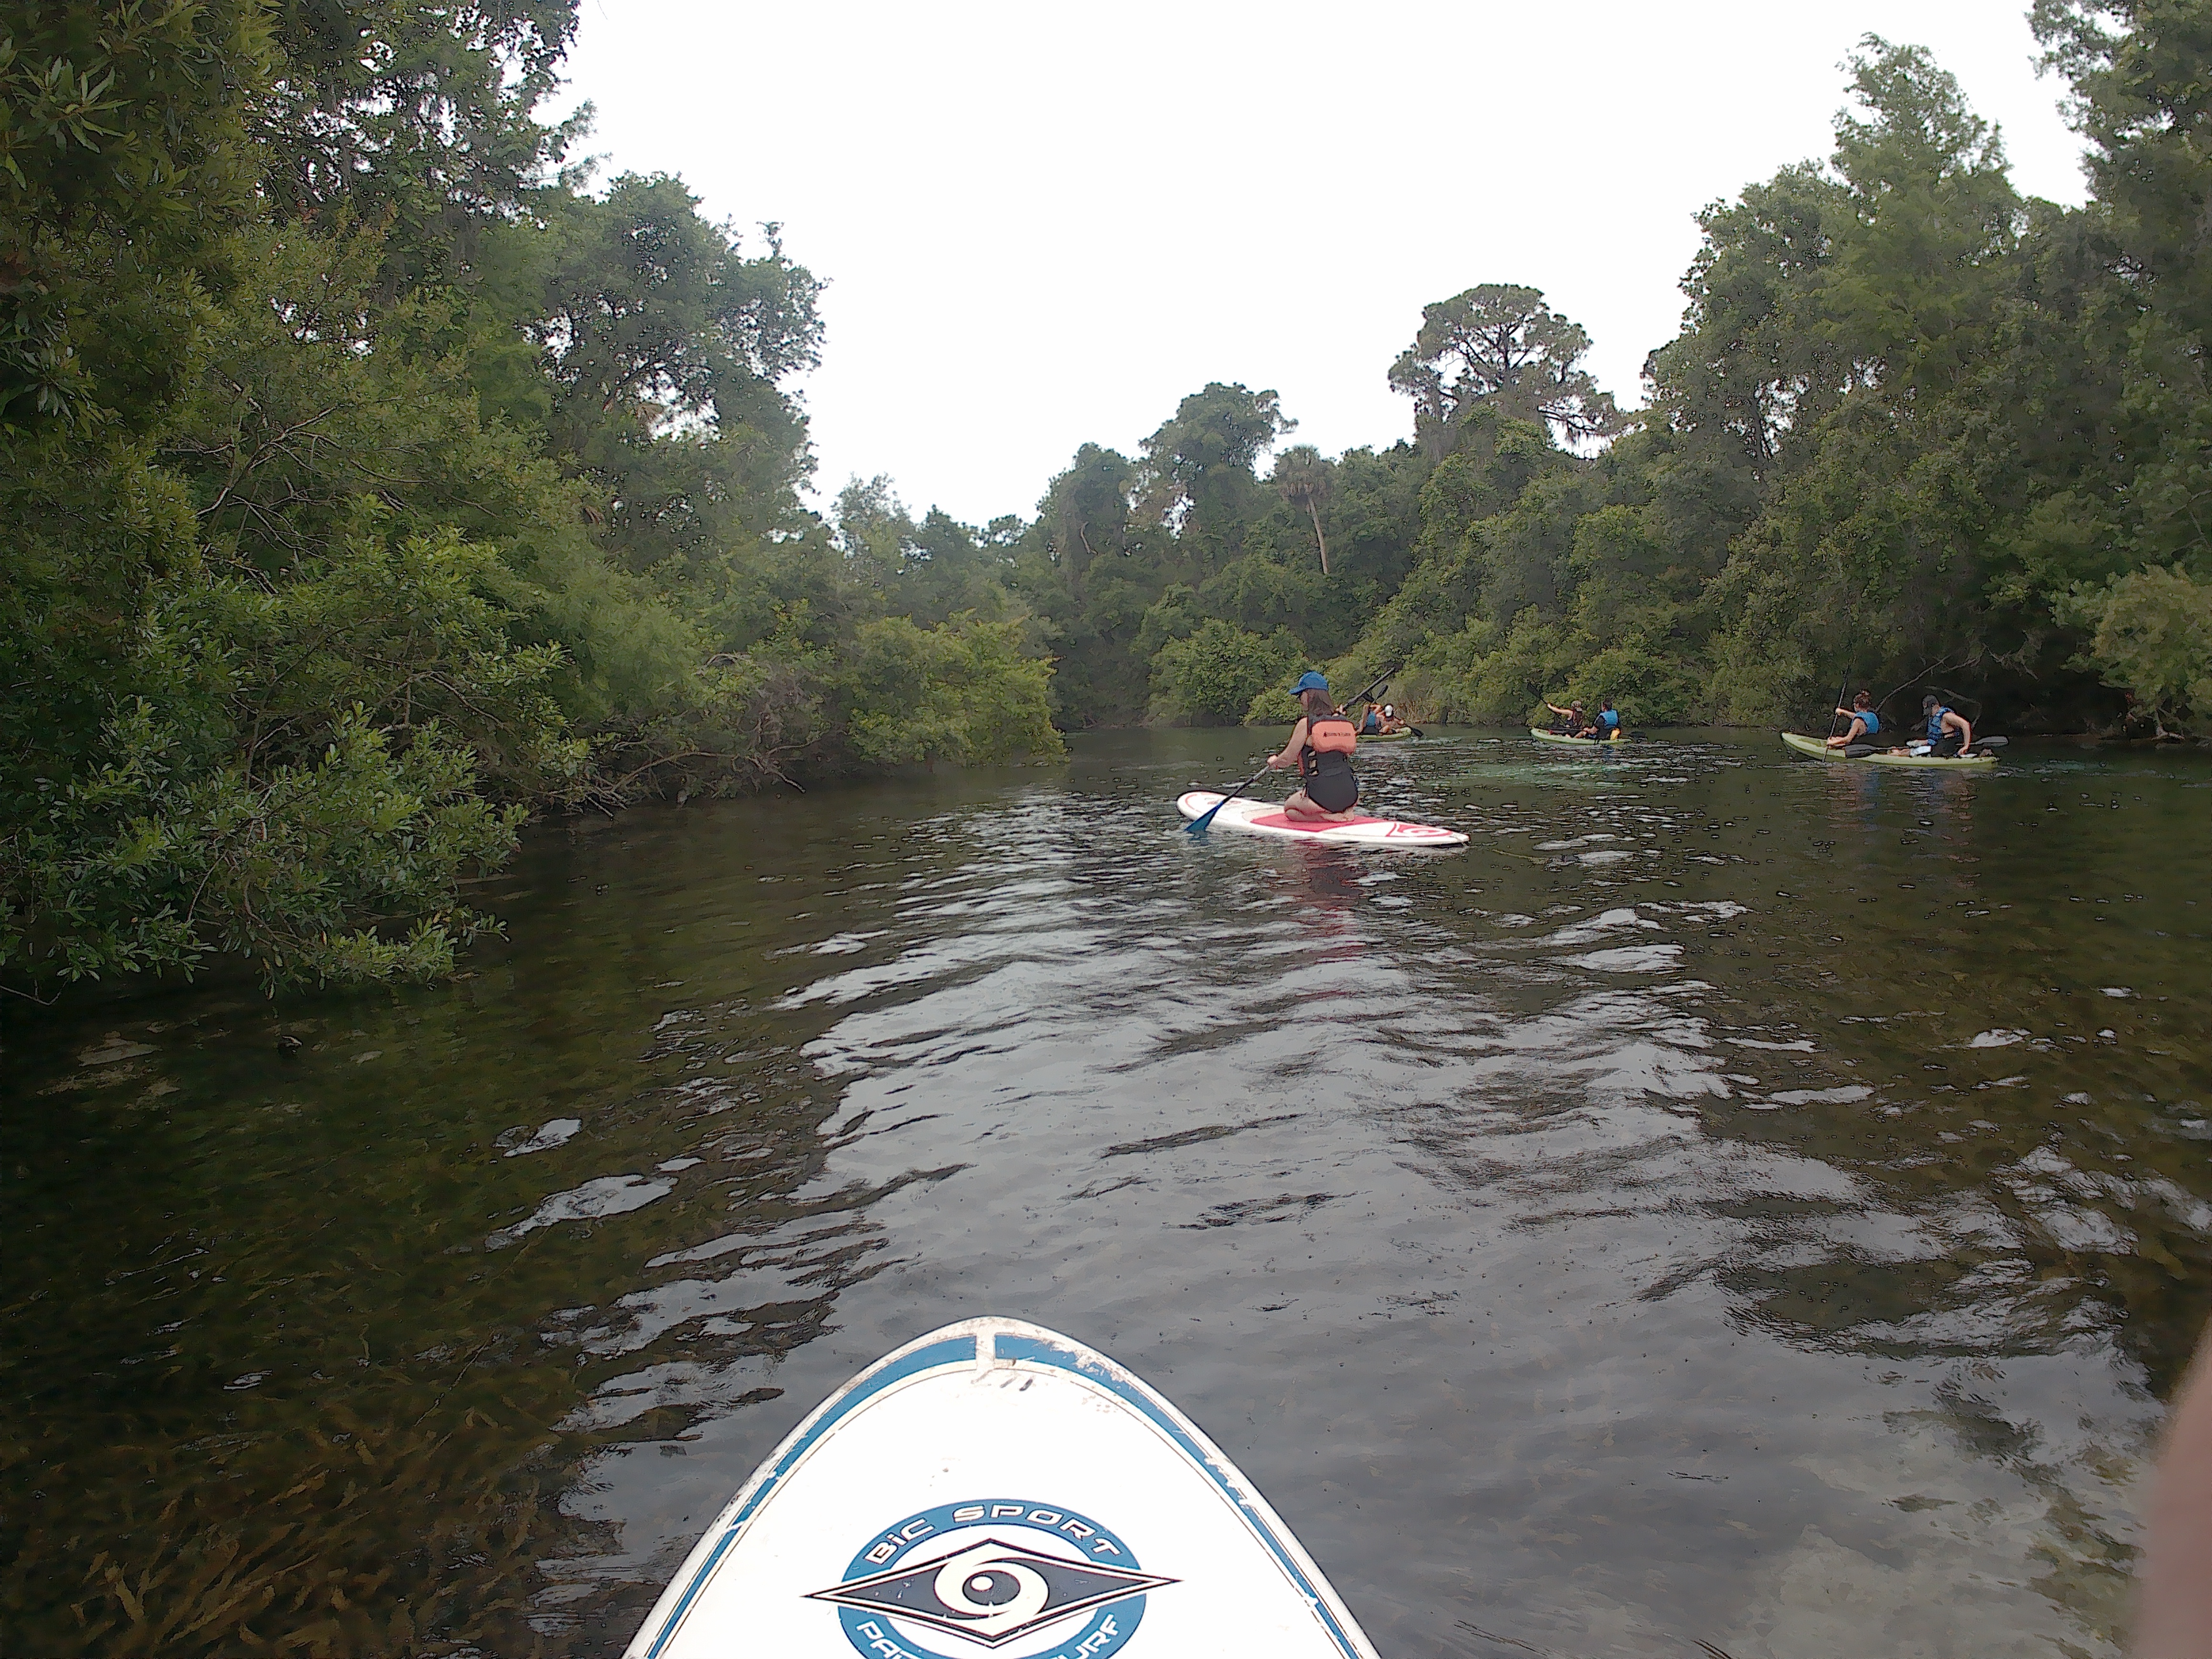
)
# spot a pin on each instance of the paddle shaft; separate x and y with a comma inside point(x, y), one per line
point(1198, 825)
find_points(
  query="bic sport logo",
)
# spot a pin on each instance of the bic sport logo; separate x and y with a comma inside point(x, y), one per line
point(1001, 1578)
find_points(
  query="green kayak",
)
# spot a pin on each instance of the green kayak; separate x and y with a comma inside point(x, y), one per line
point(1820, 751)
point(1384, 737)
point(1579, 743)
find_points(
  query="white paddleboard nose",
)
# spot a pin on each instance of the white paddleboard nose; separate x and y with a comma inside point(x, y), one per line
point(995, 1490)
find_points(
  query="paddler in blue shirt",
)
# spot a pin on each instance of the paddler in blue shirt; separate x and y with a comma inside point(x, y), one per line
point(1320, 746)
point(1607, 726)
point(1865, 723)
point(1371, 723)
point(1949, 732)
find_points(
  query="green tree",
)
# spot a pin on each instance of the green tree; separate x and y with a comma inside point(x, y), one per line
point(2154, 638)
point(1090, 571)
point(666, 344)
point(1503, 346)
point(1212, 675)
point(1882, 487)
point(420, 119)
point(1302, 477)
point(2130, 280)
point(2142, 98)
point(124, 148)
point(1200, 468)
point(968, 693)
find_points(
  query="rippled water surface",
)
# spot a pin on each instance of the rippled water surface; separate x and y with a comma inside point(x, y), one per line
point(1739, 1200)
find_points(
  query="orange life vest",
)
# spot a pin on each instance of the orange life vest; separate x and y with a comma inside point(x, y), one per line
point(1332, 735)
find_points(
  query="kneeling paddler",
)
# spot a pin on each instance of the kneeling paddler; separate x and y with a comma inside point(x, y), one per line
point(1320, 746)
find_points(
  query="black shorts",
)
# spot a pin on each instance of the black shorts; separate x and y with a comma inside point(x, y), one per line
point(1949, 745)
point(1335, 790)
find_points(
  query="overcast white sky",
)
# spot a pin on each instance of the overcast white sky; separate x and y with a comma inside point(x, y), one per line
point(1044, 224)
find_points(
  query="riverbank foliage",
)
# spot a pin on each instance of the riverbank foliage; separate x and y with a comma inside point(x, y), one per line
point(372, 477)
point(1917, 432)
point(375, 477)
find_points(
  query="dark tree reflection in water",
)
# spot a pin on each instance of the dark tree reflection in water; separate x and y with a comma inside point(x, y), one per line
point(1739, 1200)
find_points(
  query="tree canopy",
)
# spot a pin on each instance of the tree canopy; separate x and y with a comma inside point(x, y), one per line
point(1502, 348)
point(1915, 431)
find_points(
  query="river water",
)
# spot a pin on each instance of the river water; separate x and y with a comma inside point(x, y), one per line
point(1738, 1204)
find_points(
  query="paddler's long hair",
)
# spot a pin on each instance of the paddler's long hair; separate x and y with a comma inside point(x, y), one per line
point(1317, 705)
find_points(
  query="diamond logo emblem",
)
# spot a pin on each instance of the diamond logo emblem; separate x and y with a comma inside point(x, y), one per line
point(988, 1591)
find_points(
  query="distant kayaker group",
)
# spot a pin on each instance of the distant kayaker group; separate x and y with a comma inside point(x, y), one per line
point(1604, 726)
point(1326, 736)
point(1321, 744)
point(1948, 732)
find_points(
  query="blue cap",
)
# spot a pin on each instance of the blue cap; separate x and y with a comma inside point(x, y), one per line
point(1310, 680)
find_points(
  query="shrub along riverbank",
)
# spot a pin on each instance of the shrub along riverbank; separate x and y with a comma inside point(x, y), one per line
point(372, 478)
point(369, 481)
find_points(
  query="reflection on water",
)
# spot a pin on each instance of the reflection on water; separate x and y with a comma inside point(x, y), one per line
point(1739, 1200)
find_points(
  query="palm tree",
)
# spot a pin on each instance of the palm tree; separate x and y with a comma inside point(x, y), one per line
point(1303, 476)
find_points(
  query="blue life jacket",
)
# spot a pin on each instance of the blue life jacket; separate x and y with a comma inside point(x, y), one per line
point(1610, 719)
point(1935, 723)
point(1873, 720)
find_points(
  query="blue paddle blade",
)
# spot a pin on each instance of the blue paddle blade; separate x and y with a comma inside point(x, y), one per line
point(1197, 825)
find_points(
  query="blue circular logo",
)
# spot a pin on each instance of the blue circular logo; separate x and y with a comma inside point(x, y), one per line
point(1004, 1577)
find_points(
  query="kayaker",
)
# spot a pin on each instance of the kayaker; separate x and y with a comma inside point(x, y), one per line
point(1572, 714)
point(1949, 732)
point(1390, 720)
point(1371, 723)
point(1320, 747)
point(1607, 724)
point(1865, 723)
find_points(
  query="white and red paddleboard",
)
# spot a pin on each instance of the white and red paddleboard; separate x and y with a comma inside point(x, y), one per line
point(995, 1490)
point(1265, 818)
